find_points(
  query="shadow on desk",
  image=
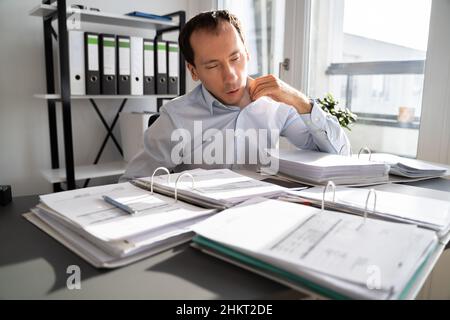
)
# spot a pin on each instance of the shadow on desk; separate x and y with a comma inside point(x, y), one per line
point(187, 262)
point(23, 243)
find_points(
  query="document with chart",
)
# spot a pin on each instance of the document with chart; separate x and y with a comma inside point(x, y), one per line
point(336, 254)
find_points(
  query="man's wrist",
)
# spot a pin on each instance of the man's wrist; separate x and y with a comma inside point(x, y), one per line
point(304, 105)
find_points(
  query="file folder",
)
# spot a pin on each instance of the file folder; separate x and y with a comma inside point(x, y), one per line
point(161, 77)
point(149, 67)
point(91, 58)
point(160, 224)
point(108, 63)
point(123, 65)
point(137, 65)
point(76, 63)
point(328, 253)
point(173, 67)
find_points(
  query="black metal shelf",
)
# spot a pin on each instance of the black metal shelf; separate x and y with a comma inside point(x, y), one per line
point(59, 12)
point(48, 11)
point(57, 97)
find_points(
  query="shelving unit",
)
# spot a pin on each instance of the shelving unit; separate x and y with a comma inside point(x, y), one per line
point(49, 11)
point(86, 172)
point(57, 97)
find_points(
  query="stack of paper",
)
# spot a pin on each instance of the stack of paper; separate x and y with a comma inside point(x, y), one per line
point(220, 188)
point(426, 212)
point(328, 253)
point(109, 237)
point(317, 168)
point(410, 168)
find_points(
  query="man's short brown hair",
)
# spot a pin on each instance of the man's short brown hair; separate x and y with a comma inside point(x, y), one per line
point(209, 20)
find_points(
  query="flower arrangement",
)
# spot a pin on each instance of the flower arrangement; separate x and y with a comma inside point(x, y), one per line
point(344, 116)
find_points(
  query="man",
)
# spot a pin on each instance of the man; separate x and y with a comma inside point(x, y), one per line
point(227, 99)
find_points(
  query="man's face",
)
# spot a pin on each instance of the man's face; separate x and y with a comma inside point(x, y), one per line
point(220, 60)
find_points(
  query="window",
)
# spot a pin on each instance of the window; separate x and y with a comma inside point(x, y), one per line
point(370, 54)
point(263, 26)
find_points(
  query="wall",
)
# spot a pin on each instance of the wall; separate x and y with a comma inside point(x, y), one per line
point(434, 137)
point(434, 142)
point(24, 135)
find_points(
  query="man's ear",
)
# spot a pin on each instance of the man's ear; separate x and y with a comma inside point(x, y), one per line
point(193, 72)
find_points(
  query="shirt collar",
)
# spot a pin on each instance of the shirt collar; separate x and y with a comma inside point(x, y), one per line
point(211, 101)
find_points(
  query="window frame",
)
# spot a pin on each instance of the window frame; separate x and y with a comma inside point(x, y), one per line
point(351, 69)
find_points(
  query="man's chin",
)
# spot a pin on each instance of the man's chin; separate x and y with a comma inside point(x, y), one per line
point(235, 98)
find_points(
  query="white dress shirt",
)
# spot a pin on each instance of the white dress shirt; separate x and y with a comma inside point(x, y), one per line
point(206, 121)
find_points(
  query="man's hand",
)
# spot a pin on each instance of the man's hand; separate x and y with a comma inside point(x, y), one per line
point(280, 91)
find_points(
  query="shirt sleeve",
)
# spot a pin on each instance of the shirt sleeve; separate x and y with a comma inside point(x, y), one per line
point(156, 152)
point(317, 131)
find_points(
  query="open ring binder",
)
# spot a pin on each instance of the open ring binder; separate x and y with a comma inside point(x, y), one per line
point(329, 184)
point(156, 170)
point(179, 179)
point(367, 202)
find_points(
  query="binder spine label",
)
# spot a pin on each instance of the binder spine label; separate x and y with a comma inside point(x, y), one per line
point(124, 53)
point(109, 52)
point(93, 52)
point(148, 59)
point(173, 60)
point(162, 68)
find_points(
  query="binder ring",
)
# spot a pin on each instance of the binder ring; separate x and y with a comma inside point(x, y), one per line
point(340, 150)
point(156, 170)
point(365, 149)
point(179, 179)
point(367, 202)
point(333, 186)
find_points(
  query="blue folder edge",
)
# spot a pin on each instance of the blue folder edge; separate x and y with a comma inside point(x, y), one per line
point(148, 16)
point(295, 279)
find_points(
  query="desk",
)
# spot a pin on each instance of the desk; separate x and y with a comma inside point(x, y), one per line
point(33, 266)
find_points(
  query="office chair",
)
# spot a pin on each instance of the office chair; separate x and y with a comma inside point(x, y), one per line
point(152, 119)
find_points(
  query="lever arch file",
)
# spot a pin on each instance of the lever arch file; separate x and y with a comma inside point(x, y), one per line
point(92, 63)
point(123, 65)
point(108, 63)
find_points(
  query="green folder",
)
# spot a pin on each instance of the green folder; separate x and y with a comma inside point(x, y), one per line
point(290, 277)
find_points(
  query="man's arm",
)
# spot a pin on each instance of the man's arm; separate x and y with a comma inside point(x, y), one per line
point(317, 131)
point(157, 150)
point(307, 125)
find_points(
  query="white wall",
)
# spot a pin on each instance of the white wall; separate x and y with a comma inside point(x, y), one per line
point(24, 135)
point(434, 138)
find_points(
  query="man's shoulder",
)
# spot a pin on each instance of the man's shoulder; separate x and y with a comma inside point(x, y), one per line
point(182, 103)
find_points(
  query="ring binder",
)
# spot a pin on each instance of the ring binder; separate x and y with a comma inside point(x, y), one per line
point(367, 202)
point(179, 178)
point(365, 149)
point(342, 148)
point(330, 183)
point(156, 170)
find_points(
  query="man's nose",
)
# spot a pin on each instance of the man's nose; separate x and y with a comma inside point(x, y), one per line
point(229, 73)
